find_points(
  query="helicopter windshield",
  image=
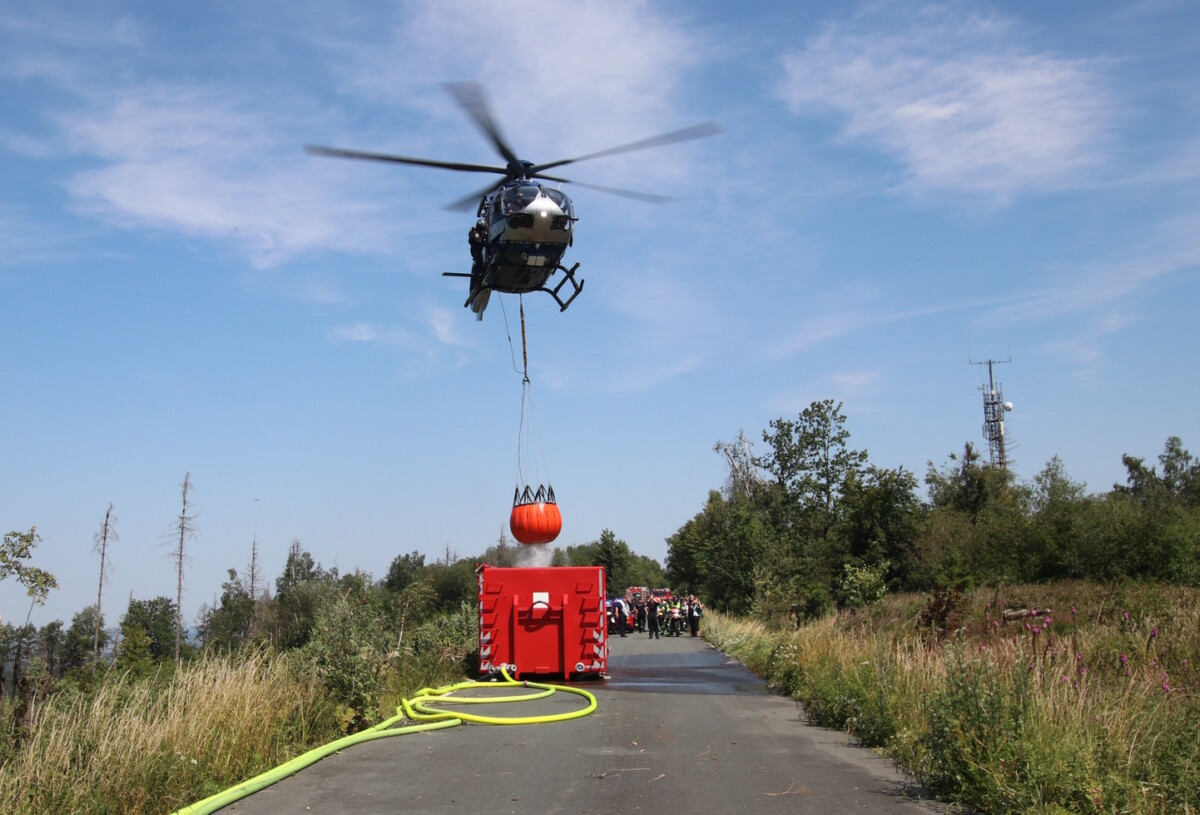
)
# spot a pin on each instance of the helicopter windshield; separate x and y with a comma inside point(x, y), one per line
point(515, 199)
point(561, 200)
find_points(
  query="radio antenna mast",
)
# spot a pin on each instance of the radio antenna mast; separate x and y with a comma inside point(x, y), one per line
point(994, 408)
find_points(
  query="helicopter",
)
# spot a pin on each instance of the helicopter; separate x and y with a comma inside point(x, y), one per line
point(523, 226)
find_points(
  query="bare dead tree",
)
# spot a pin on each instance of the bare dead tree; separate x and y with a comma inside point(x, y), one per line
point(253, 579)
point(101, 539)
point(187, 528)
point(744, 476)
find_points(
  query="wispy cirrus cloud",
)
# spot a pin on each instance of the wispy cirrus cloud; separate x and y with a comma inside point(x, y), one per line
point(1167, 248)
point(434, 335)
point(961, 102)
point(599, 74)
point(215, 154)
point(204, 161)
point(829, 327)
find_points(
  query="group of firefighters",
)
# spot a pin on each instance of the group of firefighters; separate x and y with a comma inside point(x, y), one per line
point(655, 615)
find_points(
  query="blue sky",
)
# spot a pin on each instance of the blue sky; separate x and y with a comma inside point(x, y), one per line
point(900, 188)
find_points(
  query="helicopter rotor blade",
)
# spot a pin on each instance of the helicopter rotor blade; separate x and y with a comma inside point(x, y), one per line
point(644, 197)
point(471, 98)
point(686, 134)
point(470, 202)
point(337, 152)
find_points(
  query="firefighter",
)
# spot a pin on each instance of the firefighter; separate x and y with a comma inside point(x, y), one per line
point(695, 612)
point(622, 614)
point(652, 609)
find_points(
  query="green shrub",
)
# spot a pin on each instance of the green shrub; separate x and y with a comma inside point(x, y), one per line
point(863, 585)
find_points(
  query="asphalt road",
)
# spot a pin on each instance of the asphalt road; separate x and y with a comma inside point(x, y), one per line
point(680, 728)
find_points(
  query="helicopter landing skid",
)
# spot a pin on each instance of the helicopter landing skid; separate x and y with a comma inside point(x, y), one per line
point(568, 276)
point(483, 284)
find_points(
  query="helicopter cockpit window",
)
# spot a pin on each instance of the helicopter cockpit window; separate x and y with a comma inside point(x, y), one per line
point(515, 199)
point(560, 200)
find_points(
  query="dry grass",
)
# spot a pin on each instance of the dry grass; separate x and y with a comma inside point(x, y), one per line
point(1094, 707)
point(145, 746)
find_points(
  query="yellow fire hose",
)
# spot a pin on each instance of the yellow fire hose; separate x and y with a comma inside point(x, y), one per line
point(421, 709)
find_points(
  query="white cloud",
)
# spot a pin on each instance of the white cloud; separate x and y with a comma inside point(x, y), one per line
point(220, 160)
point(1168, 248)
point(431, 340)
point(205, 162)
point(959, 102)
point(446, 326)
point(826, 328)
point(357, 332)
point(593, 75)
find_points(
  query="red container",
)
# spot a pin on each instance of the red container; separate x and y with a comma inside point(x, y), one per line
point(545, 621)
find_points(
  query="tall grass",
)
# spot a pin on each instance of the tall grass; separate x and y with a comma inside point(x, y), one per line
point(1092, 708)
point(144, 746)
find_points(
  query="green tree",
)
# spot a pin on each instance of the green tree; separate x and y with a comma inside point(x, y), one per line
point(616, 558)
point(17, 643)
point(1054, 546)
point(51, 640)
point(15, 551)
point(298, 593)
point(8, 649)
point(1179, 482)
point(990, 506)
point(610, 552)
point(880, 520)
point(810, 458)
point(155, 620)
point(646, 571)
point(81, 641)
point(404, 571)
point(453, 584)
point(349, 646)
point(716, 553)
point(135, 654)
point(964, 484)
point(227, 624)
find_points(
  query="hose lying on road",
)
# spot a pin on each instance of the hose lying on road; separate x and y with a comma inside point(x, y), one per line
point(421, 709)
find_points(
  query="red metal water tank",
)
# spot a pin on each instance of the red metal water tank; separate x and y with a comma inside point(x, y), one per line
point(546, 620)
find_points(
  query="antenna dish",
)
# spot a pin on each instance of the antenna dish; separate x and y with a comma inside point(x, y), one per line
point(1008, 405)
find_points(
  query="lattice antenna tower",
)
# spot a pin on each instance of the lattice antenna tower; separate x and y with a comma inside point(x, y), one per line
point(994, 408)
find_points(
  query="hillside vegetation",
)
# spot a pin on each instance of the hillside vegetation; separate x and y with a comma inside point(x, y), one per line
point(1089, 705)
point(880, 606)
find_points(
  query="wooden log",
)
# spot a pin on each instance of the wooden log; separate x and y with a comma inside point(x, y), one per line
point(1010, 614)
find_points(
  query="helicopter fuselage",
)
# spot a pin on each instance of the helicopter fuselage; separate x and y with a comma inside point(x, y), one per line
point(528, 228)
